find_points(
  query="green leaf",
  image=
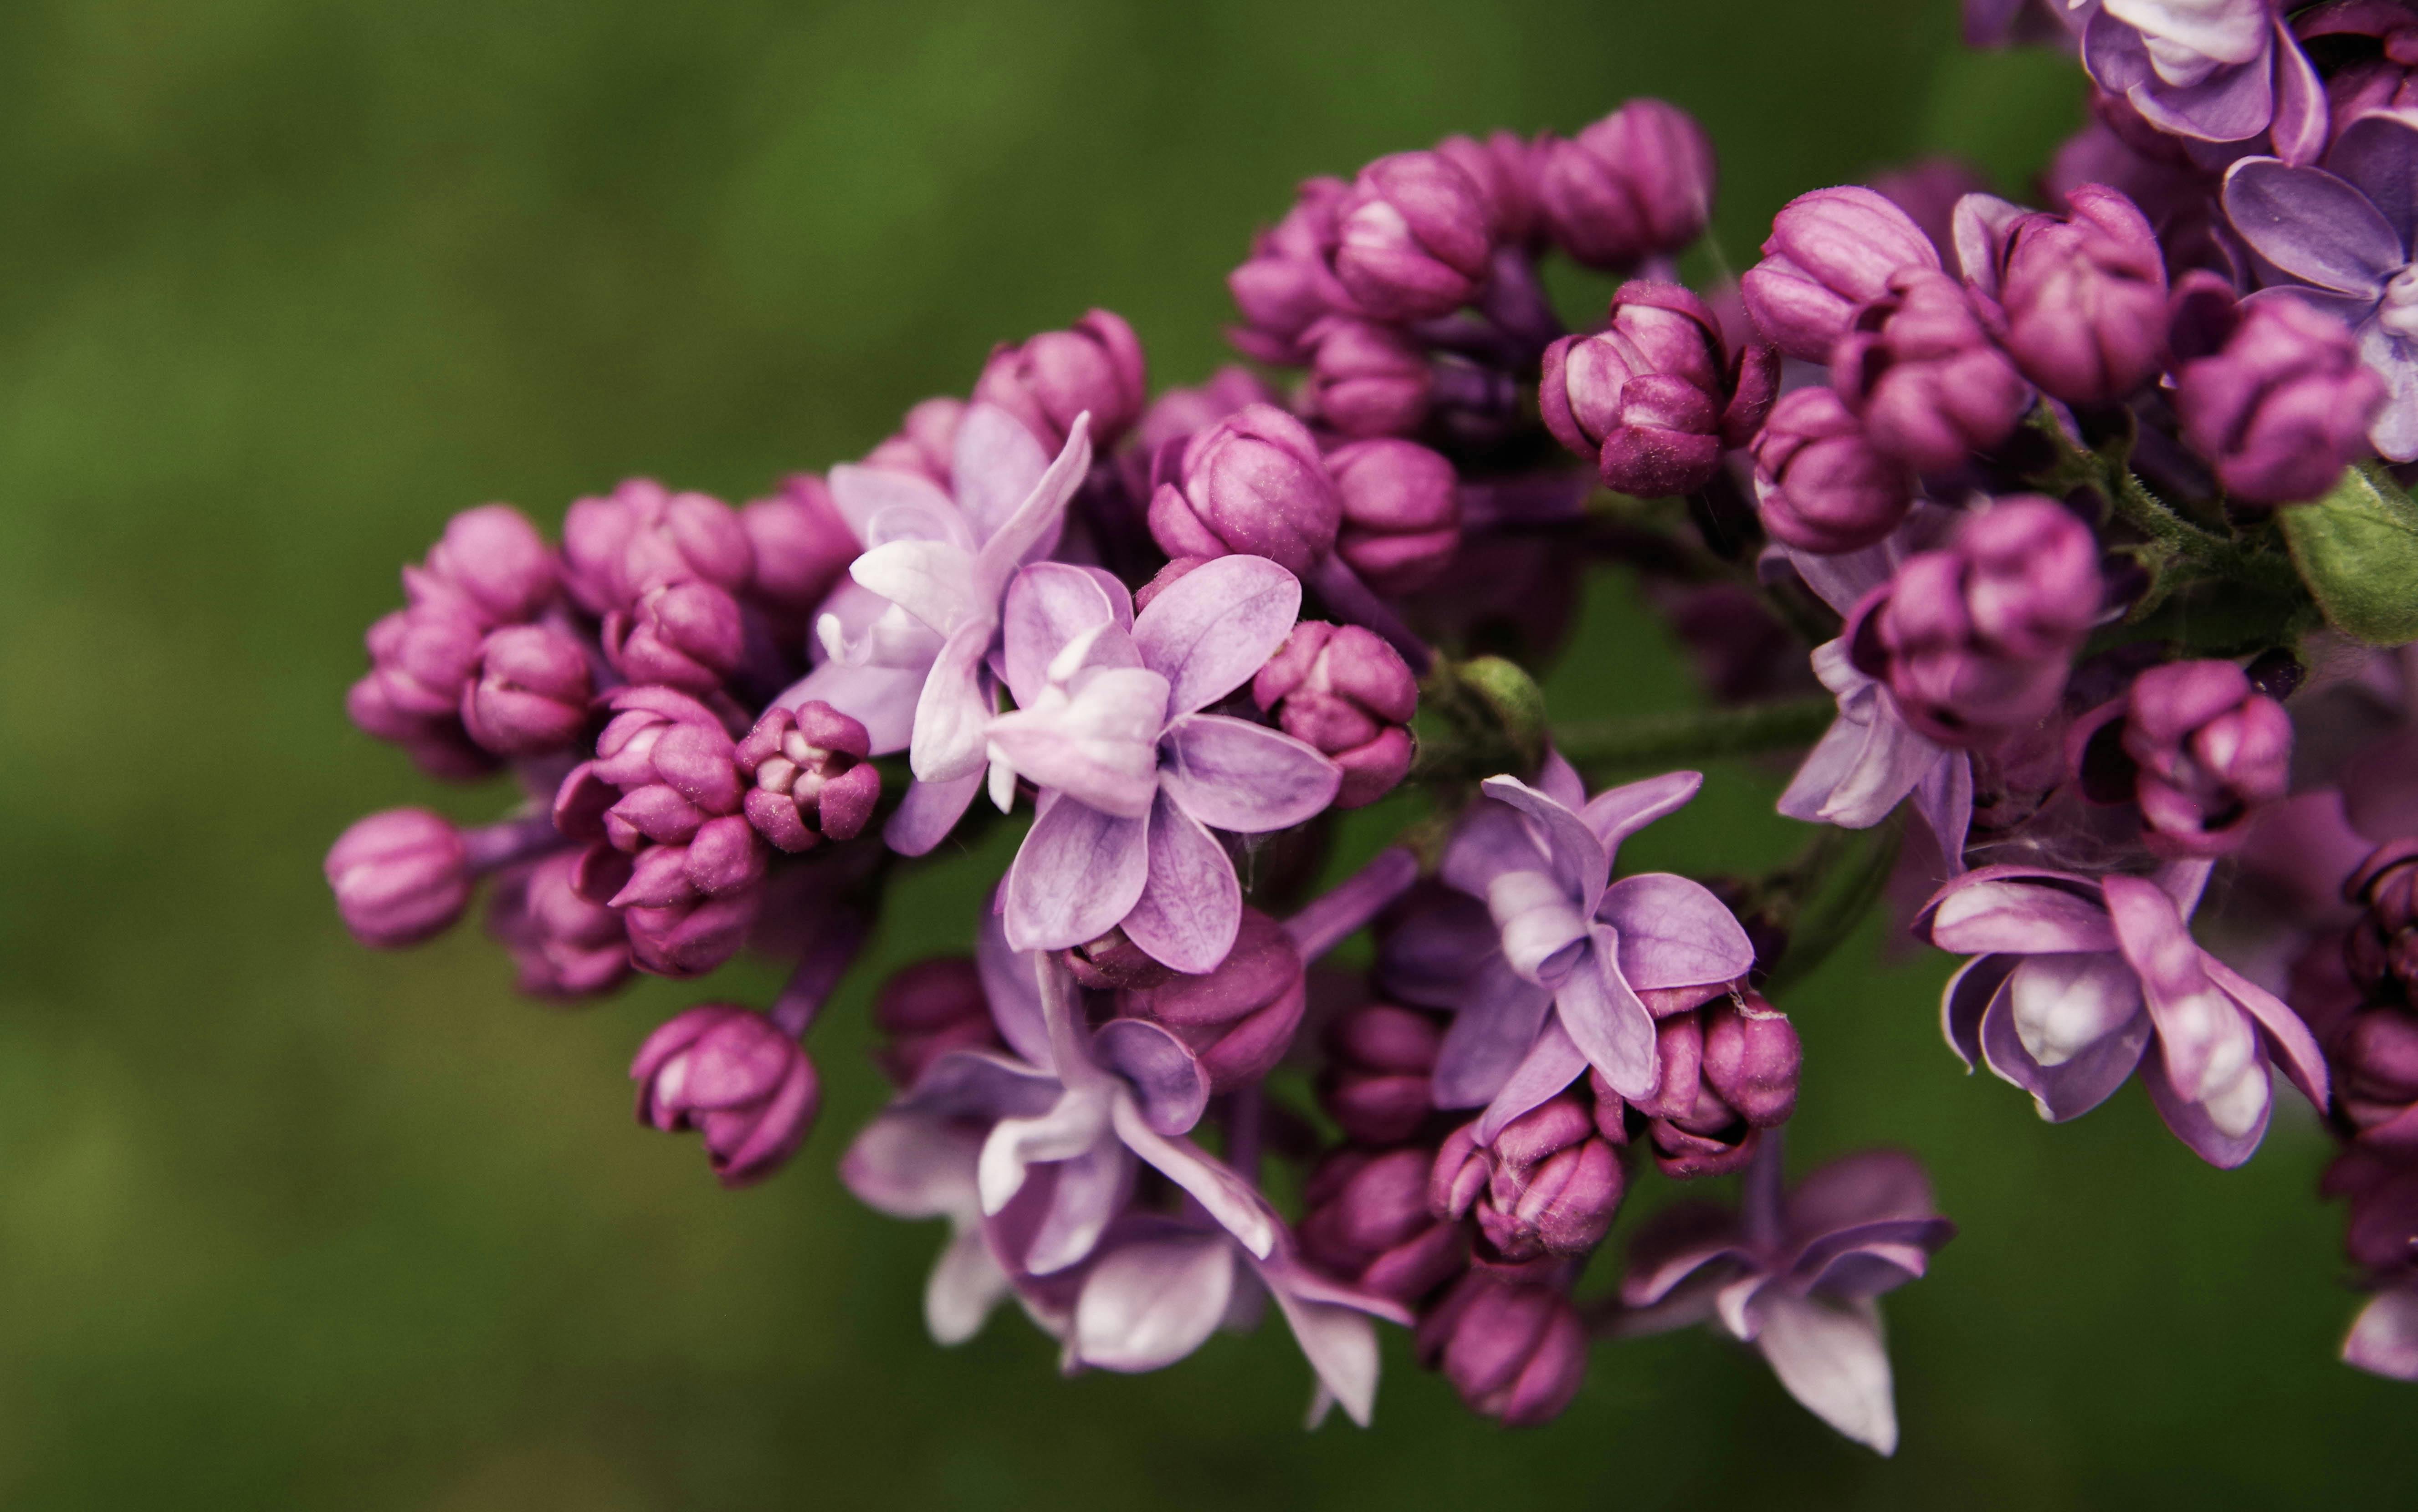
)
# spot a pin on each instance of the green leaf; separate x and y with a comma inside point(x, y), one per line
point(2357, 548)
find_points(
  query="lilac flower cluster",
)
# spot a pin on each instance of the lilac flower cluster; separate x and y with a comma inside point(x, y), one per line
point(2075, 531)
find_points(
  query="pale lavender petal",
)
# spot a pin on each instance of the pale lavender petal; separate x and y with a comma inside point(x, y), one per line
point(1560, 781)
point(1604, 1018)
point(2384, 1339)
point(1091, 1190)
point(2298, 129)
point(1618, 813)
point(1674, 933)
point(1494, 1032)
point(1944, 798)
point(928, 812)
point(2065, 1002)
point(2075, 1087)
point(1831, 1358)
point(1076, 1123)
point(1032, 531)
point(1676, 1244)
point(1165, 1078)
point(1580, 862)
point(2190, 1119)
point(2204, 1035)
point(881, 698)
point(914, 1165)
point(1212, 629)
point(1148, 1305)
point(983, 1085)
point(1542, 930)
point(1866, 762)
point(1120, 597)
point(1099, 748)
point(1869, 1187)
point(1232, 774)
point(2287, 1038)
point(1232, 1202)
point(1965, 998)
point(2313, 225)
point(1191, 907)
point(953, 710)
point(1340, 1346)
point(881, 506)
point(965, 1285)
point(1079, 872)
point(2377, 154)
point(1048, 605)
point(1989, 910)
point(1868, 1259)
point(1009, 982)
point(1490, 839)
point(932, 580)
point(2232, 104)
point(1346, 908)
point(995, 465)
point(1285, 1273)
point(1551, 1063)
point(2393, 432)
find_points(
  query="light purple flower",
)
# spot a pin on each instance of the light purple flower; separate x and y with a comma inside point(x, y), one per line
point(1134, 776)
point(1580, 965)
point(2383, 1340)
point(2340, 237)
point(1797, 1278)
point(2077, 981)
point(2214, 71)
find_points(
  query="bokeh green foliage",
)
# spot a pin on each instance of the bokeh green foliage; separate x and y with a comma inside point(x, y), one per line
point(282, 283)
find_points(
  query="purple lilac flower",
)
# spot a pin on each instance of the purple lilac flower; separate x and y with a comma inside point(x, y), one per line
point(1820, 484)
point(924, 447)
point(529, 694)
point(1505, 168)
point(1548, 1183)
point(2076, 982)
point(2381, 1240)
point(1108, 724)
point(2214, 71)
point(2339, 237)
point(1252, 483)
point(1381, 1059)
point(1798, 1276)
point(811, 779)
point(802, 547)
point(1412, 238)
point(404, 876)
point(1830, 253)
point(1400, 526)
point(729, 1072)
point(1365, 1219)
point(2380, 81)
point(2282, 405)
point(2384, 1339)
point(567, 946)
point(1727, 1074)
point(1289, 282)
point(1367, 378)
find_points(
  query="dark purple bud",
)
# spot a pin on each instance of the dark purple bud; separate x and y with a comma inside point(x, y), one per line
point(2085, 297)
point(2374, 1056)
point(813, 780)
point(565, 945)
point(1929, 384)
point(1180, 414)
point(730, 1074)
point(1654, 399)
point(1752, 1058)
point(1114, 963)
point(2382, 1235)
point(925, 442)
point(1515, 1351)
point(927, 1010)
point(1820, 484)
point(1367, 379)
point(2208, 750)
point(400, 877)
point(690, 938)
point(1549, 1184)
point(1976, 640)
point(801, 548)
point(1505, 167)
point(687, 636)
point(643, 537)
point(1375, 1085)
point(1637, 184)
point(1239, 1019)
point(1694, 1130)
point(1253, 485)
point(1289, 284)
point(529, 693)
point(1830, 253)
point(495, 559)
point(1096, 368)
point(2382, 948)
point(1342, 688)
point(1412, 238)
point(2282, 409)
point(1401, 513)
point(1366, 1221)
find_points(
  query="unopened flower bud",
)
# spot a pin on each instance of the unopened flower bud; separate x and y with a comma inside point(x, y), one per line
point(731, 1073)
point(1253, 485)
point(1367, 379)
point(1288, 284)
point(1655, 397)
point(686, 635)
point(1366, 1221)
point(2208, 750)
point(1505, 167)
point(642, 536)
point(400, 877)
point(813, 780)
point(565, 945)
point(1830, 253)
point(1114, 963)
point(1549, 1184)
point(1637, 184)
point(1820, 484)
point(801, 548)
point(1515, 1351)
point(2374, 1056)
point(2283, 407)
point(422, 656)
point(529, 693)
point(1929, 384)
point(496, 561)
point(1752, 1059)
point(1239, 1019)
point(1180, 414)
point(1401, 513)
point(1343, 690)
point(2084, 296)
point(927, 1010)
point(1095, 368)
point(925, 442)
point(2381, 1237)
point(1379, 1059)
point(2382, 948)
point(1412, 238)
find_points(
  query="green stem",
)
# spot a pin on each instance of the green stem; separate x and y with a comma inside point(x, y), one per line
point(1693, 736)
point(2136, 506)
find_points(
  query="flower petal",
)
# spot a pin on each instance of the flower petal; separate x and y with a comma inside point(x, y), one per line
point(1148, 1305)
point(2192, 1120)
point(953, 710)
point(1580, 861)
point(913, 1166)
point(2312, 225)
point(2063, 1003)
point(1674, 1244)
point(1831, 1358)
point(1965, 999)
point(881, 506)
point(2288, 1037)
point(1944, 798)
point(2377, 154)
point(1542, 931)
point(1618, 813)
point(1090, 1189)
point(1490, 839)
point(1099, 747)
point(1232, 775)
point(932, 580)
point(1075, 1124)
point(1013, 989)
point(1191, 905)
point(1047, 606)
point(2074, 1088)
point(1232, 1202)
point(928, 812)
point(1079, 872)
point(881, 698)
point(1869, 1187)
point(1674, 933)
point(1551, 1063)
point(1604, 1018)
point(995, 465)
point(1489, 1036)
point(1999, 909)
point(1342, 1347)
point(1214, 628)
point(1032, 531)
point(981, 1085)
point(965, 1285)
point(2205, 1037)
point(2384, 1339)
point(1165, 1075)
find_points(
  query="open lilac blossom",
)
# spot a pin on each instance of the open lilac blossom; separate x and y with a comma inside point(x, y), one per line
point(2076, 981)
point(1799, 1275)
point(1135, 776)
point(1585, 963)
point(2215, 71)
point(2339, 237)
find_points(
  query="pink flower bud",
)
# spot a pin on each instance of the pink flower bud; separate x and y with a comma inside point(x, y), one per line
point(1096, 368)
point(1830, 253)
point(1239, 1019)
point(1820, 484)
point(1366, 1222)
point(801, 548)
point(1655, 397)
point(529, 694)
point(1515, 1351)
point(643, 537)
point(1343, 690)
point(1368, 379)
point(1549, 1184)
point(684, 634)
point(2283, 407)
point(730, 1074)
point(1401, 513)
point(496, 560)
point(400, 877)
point(2207, 751)
point(1253, 485)
point(925, 442)
point(565, 945)
point(928, 1009)
point(1412, 238)
point(2084, 296)
point(1379, 1059)
point(1923, 375)
point(1637, 184)
point(813, 777)
point(1506, 169)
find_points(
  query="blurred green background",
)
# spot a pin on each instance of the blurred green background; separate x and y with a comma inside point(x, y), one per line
point(284, 282)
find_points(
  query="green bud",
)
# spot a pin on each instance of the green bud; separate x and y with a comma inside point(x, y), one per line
point(2357, 548)
point(1513, 702)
